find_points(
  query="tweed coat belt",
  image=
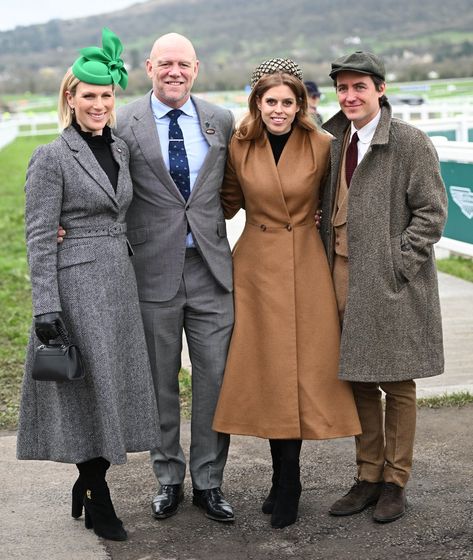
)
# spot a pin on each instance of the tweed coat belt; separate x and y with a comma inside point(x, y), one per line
point(113, 230)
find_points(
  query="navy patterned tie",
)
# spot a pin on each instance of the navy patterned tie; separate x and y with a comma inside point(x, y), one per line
point(351, 159)
point(178, 164)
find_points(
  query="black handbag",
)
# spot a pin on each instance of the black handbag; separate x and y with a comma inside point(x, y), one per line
point(58, 362)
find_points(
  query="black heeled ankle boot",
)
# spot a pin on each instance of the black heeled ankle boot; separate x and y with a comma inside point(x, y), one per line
point(78, 492)
point(268, 504)
point(99, 511)
point(289, 491)
point(101, 517)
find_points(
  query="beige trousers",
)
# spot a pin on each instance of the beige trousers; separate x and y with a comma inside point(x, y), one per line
point(384, 450)
point(384, 453)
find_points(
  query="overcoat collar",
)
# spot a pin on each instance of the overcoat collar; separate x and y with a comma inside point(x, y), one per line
point(146, 134)
point(86, 159)
point(338, 125)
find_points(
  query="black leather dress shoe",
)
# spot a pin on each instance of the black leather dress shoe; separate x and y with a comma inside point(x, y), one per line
point(214, 504)
point(167, 501)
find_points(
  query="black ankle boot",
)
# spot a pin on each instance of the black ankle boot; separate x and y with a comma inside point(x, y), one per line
point(289, 490)
point(99, 511)
point(78, 492)
point(100, 515)
point(268, 504)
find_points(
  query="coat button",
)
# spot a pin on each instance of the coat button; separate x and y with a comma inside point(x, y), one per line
point(263, 227)
point(289, 227)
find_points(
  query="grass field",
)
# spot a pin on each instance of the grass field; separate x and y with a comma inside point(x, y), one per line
point(15, 294)
point(457, 266)
point(435, 91)
point(15, 297)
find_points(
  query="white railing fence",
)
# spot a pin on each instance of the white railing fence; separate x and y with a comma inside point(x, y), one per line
point(23, 124)
point(454, 121)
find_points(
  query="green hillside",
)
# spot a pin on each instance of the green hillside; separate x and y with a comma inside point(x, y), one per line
point(232, 36)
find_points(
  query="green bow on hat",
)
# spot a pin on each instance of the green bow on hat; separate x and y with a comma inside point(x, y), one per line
point(102, 66)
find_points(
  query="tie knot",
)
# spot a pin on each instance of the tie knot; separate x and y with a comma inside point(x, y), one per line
point(354, 138)
point(174, 114)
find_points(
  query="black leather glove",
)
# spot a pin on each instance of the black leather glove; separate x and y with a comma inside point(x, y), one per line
point(46, 326)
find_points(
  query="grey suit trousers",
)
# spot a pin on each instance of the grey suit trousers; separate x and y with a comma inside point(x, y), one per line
point(205, 311)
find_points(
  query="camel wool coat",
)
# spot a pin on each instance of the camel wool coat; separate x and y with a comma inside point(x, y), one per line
point(281, 379)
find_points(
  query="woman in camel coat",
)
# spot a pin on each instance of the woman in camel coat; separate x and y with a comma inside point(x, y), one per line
point(281, 380)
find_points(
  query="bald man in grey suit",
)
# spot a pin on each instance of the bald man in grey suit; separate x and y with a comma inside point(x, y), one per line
point(183, 267)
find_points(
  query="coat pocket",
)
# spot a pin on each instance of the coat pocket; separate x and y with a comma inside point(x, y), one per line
point(398, 263)
point(138, 235)
point(222, 229)
point(75, 254)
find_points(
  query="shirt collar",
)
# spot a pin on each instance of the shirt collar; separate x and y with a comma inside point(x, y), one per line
point(160, 109)
point(366, 133)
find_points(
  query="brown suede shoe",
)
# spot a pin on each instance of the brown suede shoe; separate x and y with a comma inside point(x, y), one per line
point(361, 495)
point(391, 504)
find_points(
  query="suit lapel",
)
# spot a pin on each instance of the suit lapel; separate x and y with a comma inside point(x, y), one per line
point(146, 134)
point(210, 132)
point(86, 159)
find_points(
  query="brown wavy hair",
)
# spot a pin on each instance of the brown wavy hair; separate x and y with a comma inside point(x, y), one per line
point(252, 126)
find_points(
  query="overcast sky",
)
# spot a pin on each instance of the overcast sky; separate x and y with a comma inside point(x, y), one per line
point(29, 12)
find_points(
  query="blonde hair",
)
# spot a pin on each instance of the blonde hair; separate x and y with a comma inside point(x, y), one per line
point(252, 126)
point(64, 112)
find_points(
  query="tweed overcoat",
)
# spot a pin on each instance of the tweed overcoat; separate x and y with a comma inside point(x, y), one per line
point(397, 206)
point(90, 279)
point(281, 379)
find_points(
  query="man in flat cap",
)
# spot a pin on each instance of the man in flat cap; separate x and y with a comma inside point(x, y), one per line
point(384, 208)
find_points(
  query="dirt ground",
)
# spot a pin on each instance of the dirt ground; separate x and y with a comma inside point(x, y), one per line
point(437, 526)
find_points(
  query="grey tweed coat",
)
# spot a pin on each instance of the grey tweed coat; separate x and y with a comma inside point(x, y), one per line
point(90, 279)
point(397, 207)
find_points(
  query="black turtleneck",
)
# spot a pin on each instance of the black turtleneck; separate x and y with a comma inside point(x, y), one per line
point(278, 141)
point(100, 147)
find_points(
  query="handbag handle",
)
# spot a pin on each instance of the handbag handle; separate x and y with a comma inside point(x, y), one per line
point(64, 336)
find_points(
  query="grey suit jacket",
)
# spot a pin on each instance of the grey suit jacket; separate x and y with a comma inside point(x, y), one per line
point(157, 218)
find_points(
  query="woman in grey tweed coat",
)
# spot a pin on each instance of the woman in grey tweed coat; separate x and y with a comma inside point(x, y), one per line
point(87, 284)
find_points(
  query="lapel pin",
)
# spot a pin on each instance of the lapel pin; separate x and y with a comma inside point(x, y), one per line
point(210, 131)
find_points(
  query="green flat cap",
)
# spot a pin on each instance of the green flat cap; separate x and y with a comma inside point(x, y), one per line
point(102, 66)
point(359, 61)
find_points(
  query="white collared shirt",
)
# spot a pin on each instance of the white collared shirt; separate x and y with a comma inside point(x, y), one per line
point(365, 135)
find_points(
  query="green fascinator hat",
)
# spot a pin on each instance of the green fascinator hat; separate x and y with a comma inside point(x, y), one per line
point(102, 66)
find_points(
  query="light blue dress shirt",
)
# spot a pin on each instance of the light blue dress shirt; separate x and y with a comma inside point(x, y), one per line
point(194, 141)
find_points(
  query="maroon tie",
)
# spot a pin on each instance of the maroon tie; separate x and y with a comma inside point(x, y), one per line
point(351, 159)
